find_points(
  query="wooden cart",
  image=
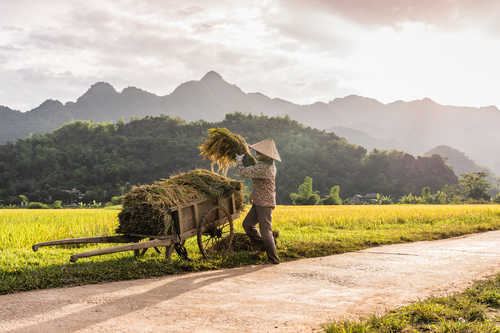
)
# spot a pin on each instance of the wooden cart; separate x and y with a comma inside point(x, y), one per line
point(210, 220)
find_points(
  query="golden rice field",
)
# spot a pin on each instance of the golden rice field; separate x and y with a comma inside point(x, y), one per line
point(305, 231)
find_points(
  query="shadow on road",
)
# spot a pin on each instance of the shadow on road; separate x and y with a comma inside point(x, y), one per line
point(172, 286)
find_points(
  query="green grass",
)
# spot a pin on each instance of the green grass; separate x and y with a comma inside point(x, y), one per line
point(305, 231)
point(477, 310)
point(113, 207)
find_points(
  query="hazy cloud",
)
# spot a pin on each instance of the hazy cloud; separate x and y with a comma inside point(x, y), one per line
point(11, 28)
point(158, 44)
point(303, 51)
point(445, 13)
point(27, 85)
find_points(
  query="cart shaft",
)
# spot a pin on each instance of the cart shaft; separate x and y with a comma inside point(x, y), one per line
point(89, 240)
point(122, 248)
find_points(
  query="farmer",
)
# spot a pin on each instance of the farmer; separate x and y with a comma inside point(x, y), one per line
point(263, 196)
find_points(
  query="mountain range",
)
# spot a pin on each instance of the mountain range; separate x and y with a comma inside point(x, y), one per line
point(415, 126)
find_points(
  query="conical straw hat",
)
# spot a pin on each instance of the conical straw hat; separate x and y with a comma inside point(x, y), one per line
point(267, 147)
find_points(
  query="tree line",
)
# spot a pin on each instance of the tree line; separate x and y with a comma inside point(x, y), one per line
point(472, 188)
point(86, 162)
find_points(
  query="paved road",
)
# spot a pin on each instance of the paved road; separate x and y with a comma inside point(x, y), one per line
point(292, 297)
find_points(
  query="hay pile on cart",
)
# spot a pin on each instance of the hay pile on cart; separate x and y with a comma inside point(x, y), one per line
point(198, 203)
point(147, 209)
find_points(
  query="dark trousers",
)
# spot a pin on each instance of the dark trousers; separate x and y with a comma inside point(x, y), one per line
point(262, 216)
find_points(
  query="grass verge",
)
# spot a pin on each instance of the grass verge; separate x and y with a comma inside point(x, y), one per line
point(307, 231)
point(477, 310)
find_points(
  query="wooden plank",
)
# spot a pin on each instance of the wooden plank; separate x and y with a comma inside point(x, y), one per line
point(188, 219)
point(218, 209)
point(189, 233)
point(168, 251)
point(181, 221)
point(196, 214)
point(122, 248)
point(173, 209)
point(150, 236)
point(233, 204)
point(89, 240)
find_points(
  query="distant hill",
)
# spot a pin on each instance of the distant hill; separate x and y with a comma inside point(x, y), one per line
point(414, 126)
point(460, 163)
point(361, 138)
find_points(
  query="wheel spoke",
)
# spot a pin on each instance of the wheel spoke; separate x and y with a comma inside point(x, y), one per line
point(207, 240)
point(217, 227)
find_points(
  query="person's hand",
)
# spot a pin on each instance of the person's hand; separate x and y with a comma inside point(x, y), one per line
point(239, 158)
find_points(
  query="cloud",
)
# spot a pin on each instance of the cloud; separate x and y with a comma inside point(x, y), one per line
point(308, 28)
point(302, 51)
point(11, 28)
point(448, 14)
point(25, 86)
point(156, 45)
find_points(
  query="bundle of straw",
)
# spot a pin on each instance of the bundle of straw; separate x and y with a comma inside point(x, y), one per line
point(222, 146)
point(239, 242)
point(146, 208)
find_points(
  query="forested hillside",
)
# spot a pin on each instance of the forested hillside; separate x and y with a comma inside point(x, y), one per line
point(101, 160)
point(414, 126)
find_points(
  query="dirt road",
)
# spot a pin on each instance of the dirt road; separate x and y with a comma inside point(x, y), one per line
point(292, 297)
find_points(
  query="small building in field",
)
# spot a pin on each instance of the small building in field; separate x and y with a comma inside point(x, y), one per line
point(359, 199)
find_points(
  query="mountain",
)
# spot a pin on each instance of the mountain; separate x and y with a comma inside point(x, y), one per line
point(460, 163)
point(414, 126)
point(361, 138)
point(103, 103)
point(457, 160)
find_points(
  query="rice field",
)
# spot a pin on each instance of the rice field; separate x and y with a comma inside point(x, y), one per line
point(305, 231)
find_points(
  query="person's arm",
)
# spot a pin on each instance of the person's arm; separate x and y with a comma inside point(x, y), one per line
point(259, 170)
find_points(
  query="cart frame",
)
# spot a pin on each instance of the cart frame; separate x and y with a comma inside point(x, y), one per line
point(209, 219)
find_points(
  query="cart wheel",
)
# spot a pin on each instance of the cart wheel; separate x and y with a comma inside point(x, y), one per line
point(215, 232)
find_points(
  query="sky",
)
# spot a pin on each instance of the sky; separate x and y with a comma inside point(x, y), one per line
point(303, 51)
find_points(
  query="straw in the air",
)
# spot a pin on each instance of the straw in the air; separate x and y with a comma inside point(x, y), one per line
point(222, 146)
